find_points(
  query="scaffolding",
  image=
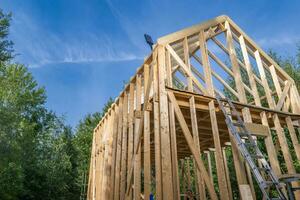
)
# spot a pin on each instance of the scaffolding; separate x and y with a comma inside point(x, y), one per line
point(165, 136)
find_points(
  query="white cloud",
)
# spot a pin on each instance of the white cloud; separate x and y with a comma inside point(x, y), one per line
point(38, 47)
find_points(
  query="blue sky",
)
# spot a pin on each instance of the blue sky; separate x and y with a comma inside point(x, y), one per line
point(82, 51)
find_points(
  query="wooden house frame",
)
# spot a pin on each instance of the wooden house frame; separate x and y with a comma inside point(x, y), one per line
point(166, 123)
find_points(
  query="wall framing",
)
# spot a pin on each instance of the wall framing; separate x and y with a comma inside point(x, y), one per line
point(167, 116)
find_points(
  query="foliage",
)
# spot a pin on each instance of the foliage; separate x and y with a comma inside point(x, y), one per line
point(84, 136)
point(6, 46)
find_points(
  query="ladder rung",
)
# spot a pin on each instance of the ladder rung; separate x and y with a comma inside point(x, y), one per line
point(237, 124)
point(231, 114)
point(243, 134)
point(262, 169)
point(258, 156)
point(280, 185)
point(270, 183)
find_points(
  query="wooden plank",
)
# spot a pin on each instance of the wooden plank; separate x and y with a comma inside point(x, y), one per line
point(100, 161)
point(176, 183)
point(249, 70)
point(137, 164)
point(206, 66)
point(157, 146)
point(107, 165)
point(264, 80)
point(147, 159)
point(114, 153)
point(246, 192)
point(157, 139)
point(130, 132)
point(187, 63)
point(147, 150)
point(124, 146)
point(119, 151)
point(164, 128)
point(130, 124)
point(191, 144)
point(189, 31)
point(257, 129)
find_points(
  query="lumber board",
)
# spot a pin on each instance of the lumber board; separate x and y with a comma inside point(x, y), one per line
point(257, 129)
point(137, 161)
point(116, 195)
point(164, 128)
point(147, 149)
point(124, 146)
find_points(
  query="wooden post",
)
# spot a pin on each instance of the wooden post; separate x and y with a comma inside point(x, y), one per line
point(176, 183)
point(157, 146)
point(147, 150)
point(124, 147)
point(130, 134)
point(119, 151)
point(114, 153)
point(164, 128)
point(137, 162)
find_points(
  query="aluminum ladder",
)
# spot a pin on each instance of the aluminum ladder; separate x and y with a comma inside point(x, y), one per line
point(249, 150)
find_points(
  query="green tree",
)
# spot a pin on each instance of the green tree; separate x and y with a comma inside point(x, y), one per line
point(6, 46)
point(38, 157)
point(83, 139)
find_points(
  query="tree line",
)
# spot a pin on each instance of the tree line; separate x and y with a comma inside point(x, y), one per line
point(40, 156)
